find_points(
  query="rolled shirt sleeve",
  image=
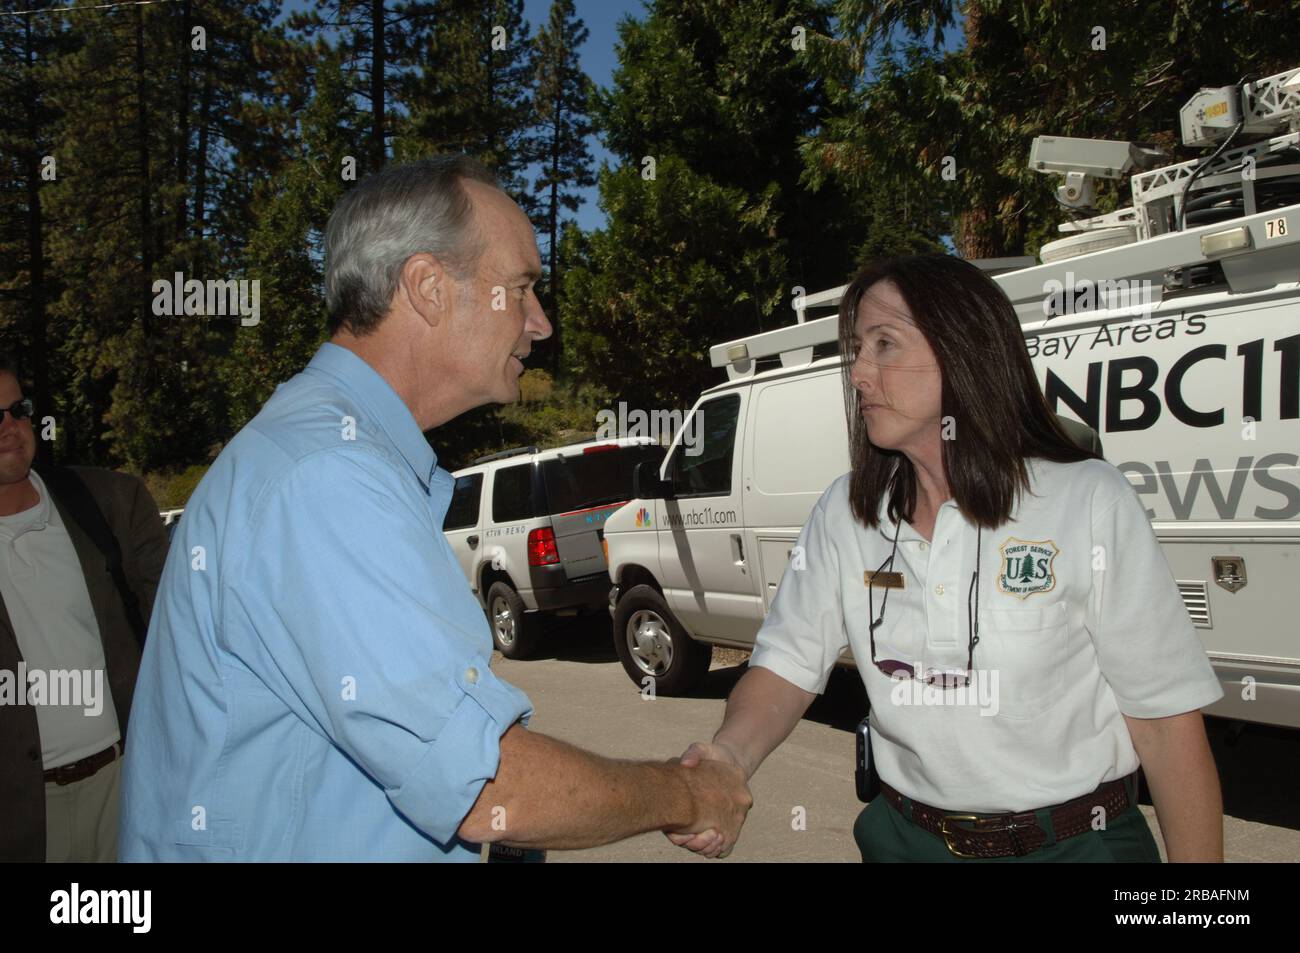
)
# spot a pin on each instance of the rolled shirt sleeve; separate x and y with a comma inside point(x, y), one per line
point(353, 610)
point(804, 632)
point(1146, 646)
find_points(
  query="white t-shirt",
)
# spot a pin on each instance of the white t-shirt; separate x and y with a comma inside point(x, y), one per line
point(1080, 621)
point(45, 594)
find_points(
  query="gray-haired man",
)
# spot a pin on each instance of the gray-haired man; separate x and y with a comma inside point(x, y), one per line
point(316, 683)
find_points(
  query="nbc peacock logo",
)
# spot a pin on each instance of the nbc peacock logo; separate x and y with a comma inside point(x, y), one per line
point(642, 517)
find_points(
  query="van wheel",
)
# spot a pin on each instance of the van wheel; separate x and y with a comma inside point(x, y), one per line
point(651, 643)
point(514, 631)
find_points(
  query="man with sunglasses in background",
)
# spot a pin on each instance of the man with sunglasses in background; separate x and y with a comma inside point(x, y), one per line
point(81, 552)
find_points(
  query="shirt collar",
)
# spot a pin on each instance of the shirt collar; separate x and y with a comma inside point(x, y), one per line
point(886, 526)
point(376, 395)
point(34, 517)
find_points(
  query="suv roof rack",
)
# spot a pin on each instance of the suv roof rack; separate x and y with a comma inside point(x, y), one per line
point(515, 452)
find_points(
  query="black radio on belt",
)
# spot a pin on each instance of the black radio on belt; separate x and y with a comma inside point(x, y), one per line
point(864, 773)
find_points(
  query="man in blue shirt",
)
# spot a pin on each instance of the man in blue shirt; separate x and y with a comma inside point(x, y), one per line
point(315, 684)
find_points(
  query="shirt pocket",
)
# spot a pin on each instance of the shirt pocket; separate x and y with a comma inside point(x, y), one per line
point(1027, 649)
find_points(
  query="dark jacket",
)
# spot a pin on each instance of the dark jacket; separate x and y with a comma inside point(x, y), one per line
point(133, 517)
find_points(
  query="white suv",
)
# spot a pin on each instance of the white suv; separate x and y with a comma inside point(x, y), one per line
point(527, 526)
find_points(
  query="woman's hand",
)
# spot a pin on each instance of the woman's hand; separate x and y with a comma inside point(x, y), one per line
point(761, 712)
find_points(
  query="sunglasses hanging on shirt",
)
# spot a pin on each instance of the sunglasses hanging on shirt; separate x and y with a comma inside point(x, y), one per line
point(896, 669)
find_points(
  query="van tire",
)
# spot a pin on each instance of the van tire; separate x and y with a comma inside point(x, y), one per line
point(675, 661)
point(514, 631)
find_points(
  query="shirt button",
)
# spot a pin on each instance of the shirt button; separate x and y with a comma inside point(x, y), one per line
point(938, 590)
point(471, 675)
point(924, 547)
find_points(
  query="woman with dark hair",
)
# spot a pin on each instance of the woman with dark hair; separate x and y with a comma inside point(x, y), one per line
point(1022, 641)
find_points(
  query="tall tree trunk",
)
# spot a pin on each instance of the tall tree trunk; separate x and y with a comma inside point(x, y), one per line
point(553, 224)
point(978, 233)
point(36, 316)
point(201, 159)
point(142, 136)
point(489, 96)
point(183, 124)
point(377, 85)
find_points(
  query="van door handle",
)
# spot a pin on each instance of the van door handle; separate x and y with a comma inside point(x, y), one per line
point(740, 548)
point(472, 540)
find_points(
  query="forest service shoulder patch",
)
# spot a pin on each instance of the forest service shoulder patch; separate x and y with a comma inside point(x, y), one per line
point(1027, 567)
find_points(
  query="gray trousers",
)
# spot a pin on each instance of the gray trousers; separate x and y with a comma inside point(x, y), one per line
point(81, 818)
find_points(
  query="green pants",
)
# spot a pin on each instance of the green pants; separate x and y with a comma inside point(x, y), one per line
point(886, 836)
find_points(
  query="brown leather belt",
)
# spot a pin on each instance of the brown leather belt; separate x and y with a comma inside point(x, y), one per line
point(80, 770)
point(1014, 835)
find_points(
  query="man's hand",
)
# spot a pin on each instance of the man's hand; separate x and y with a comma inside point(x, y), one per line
point(709, 842)
point(721, 800)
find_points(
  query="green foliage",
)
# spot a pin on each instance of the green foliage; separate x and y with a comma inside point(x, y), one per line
point(715, 245)
point(375, 44)
point(291, 211)
point(775, 168)
point(171, 489)
point(566, 415)
point(479, 98)
point(684, 262)
point(1025, 70)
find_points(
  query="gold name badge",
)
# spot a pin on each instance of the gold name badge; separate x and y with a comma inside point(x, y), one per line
point(885, 580)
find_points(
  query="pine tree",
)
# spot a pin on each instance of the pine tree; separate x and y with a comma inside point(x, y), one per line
point(474, 94)
point(128, 386)
point(27, 43)
point(562, 97)
point(291, 211)
point(711, 225)
point(378, 41)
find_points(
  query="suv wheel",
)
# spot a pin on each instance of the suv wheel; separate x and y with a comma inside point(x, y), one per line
point(651, 643)
point(514, 631)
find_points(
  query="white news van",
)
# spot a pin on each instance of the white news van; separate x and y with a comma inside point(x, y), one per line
point(1172, 328)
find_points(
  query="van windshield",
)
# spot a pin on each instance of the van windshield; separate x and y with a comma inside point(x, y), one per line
point(595, 478)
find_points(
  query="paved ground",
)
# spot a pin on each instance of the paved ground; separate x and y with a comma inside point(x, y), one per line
point(583, 695)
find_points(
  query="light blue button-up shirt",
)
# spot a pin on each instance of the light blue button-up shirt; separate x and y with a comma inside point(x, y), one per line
point(315, 684)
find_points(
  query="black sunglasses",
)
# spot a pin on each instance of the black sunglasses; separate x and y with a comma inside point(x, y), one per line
point(19, 410)
point(896, 669)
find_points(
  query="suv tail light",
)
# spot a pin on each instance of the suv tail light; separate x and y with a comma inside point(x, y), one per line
point(541, 547)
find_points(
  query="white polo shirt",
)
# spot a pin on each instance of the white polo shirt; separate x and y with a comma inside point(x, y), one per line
point(1080, 621)
point(45, 594)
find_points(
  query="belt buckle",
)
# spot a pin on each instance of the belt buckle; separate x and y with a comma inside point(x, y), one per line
point(947, 834)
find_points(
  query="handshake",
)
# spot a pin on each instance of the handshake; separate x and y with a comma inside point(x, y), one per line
point(720, 796)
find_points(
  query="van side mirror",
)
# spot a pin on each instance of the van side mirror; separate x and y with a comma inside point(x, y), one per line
point(646, 484)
